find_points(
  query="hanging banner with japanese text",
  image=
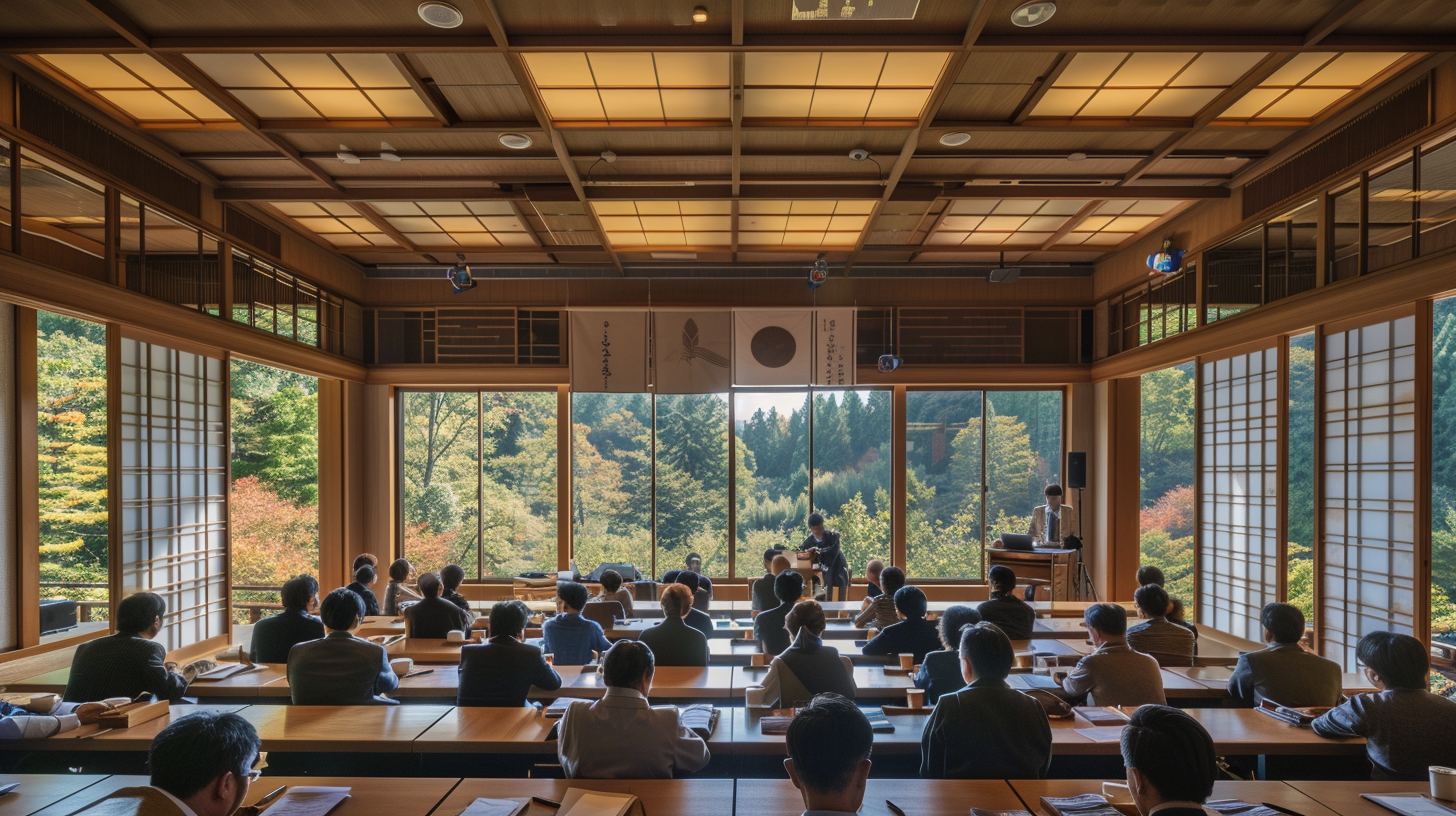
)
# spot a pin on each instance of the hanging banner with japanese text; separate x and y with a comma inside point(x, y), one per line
point(834, 347)
point(609, 351)
point(693, 351)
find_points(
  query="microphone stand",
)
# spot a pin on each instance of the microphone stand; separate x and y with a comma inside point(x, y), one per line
point(1084, 576)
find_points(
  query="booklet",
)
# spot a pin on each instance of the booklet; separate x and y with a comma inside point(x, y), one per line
point(580, 802)
point(1088, 804)
point(308, 801)
point(701, 719)
point(493, 807)
point(1409, 804)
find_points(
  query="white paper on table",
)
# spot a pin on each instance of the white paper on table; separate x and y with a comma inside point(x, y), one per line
point(578, 802)
point(493, 807)
point(1105, 733)
point(309, 801)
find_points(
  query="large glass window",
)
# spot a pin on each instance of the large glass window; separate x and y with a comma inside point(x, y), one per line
point(851, 454)
point(1023, 455)
point(479, 482)
point(1299, 452)
point(273, 507)
point(1167, 464)
point(63, 217)
point(611, 480)
point(772, 478)
point(5, 219)
point(72, 424)
point(691, 483)
point(1443, 489)
point(1437, 204)
point(1345, 253)
point(943, 483)
point(1391, 213)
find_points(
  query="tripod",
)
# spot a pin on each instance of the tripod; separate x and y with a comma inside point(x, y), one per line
point(1082, 583)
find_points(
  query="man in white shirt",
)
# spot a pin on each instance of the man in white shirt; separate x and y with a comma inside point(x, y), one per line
point(621, 736)
point(45, 717)
point(829, 745)
point(1053, 521)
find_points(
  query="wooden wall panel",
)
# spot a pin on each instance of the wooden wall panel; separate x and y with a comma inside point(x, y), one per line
point(377, 476)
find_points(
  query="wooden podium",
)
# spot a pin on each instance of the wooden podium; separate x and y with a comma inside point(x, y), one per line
point(1055, 566)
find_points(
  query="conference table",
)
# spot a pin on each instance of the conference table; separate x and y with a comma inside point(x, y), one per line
point(1031, 792)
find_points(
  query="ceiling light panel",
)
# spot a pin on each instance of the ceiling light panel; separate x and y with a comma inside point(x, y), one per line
point(455, 223)
point(1123, 85)
point(1014, 221)
point(137, 85)
point(842, 86)
point(334, 221)
point(316, 86)
point(620, 87)
point(1114, 222)
point(1309, 84)
point(638, 224)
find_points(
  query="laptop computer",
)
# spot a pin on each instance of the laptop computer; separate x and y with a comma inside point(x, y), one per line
point(1016, 541)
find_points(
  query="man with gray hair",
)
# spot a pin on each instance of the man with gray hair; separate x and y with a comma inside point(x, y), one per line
point(433, 616)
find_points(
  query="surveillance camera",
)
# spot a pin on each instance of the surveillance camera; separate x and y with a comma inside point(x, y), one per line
point(859, 154)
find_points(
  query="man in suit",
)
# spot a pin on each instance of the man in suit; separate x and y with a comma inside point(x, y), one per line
point(621, 736)
point(987, 730)
point(879, 612)
point(763, 590)
point(202, 765)
point(128, 663)
point(364, 578)
point(913, 635)
point(274, 636)
point(829, 744)
point(673, 642)
point(833, 566)
point(1170, 761)
point(340, 669)
point(696, 618)
point(1113, 674)
point(769, 627)
point(1053, 521)
point(452, 575)
point(1169, 643)
point(1015, 616)
point(569, 637)
point(1284, 672)
point(433, 616)
point(940, 671)
point(501, 671)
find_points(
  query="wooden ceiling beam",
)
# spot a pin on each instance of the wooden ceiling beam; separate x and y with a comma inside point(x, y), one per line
point(476, 155)
point(384, 226)
point(1288, 44)
point(1153, 192)
point(428, 92)
point(1336, 17)
point(1040, 87)
point(362, 194)
point(1071, 223)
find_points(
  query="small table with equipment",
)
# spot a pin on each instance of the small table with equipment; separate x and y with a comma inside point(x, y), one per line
point(1054, 565)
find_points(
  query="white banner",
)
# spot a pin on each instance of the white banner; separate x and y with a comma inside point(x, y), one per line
point(773, 346)
point(694, 351)
point(609, 351)
point(834, 347)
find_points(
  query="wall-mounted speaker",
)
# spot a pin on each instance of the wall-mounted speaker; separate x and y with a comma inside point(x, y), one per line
point(1076, 469)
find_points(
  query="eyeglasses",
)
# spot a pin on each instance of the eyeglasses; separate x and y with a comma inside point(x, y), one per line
point(258, 765)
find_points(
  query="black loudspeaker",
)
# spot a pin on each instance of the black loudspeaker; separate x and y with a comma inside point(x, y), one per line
point(57, 616)
point(1076, 469)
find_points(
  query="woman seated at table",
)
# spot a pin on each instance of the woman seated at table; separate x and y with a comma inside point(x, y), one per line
point(807, 667)
point(940, 672)
point(398, 591)
point(612, 591)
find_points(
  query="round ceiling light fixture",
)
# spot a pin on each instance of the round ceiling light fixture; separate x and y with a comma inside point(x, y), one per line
point(700, 15)
point(441, 15)
point(1078, 156)
point(955, 138)
point(1033, 13)
point(516, 141)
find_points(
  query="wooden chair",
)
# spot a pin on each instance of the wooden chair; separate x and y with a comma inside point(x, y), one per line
point(606, 613)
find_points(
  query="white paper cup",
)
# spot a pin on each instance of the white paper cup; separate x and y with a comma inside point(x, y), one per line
point(1443, 783)
point(402, 665)
point(915, 698)
point(756, 659)
point(455, 636)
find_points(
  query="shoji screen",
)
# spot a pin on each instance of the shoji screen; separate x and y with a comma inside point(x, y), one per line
point(1238, 525)
point(174, 486)
point(1368, 553)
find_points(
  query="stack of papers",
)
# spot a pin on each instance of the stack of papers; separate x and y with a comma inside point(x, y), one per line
point(1238, 807)
point(1088, 804)
point(877, 718)
point(308, 801)
point(493, 807)
point(578, 802)
point(700, 718)
point(775, 725)
point(558, 706)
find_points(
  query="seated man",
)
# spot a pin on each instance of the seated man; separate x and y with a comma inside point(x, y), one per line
point(433, 617)
point(703, 598)
point(39, 721)
point(612, 591)
point(620, 736)
point(202, 765)
point(340, 669)
point(673, 642)
point(833, 566)
point(769, 627)
point(879, 612)
point(1284, 672)
point(913, 635)
point(129, 662)
point(452, 576)
point(1170, 761)
point(763, 588)
point(1113, 674)
point(1014, 616)
point(697, 618)
point(806, 668)
point(1153, 575)
point(987, 730)
point(364, 577)
point(273, 637)
point(829, 744)
point(502, 670)
point(569, 637)
point(1169, 643)
point(1406, 728)
point(940, 671)
point(872, 578)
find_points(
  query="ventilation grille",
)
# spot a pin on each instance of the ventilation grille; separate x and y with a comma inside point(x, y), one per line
point(476, 336)
point(57, 124)
point(960, 336)
point(463, 336)
point(251, 231)
point(1404, 113)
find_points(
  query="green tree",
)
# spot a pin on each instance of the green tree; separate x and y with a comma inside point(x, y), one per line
point(1167, 430)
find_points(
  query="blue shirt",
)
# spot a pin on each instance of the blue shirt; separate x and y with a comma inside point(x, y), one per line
point(570, 639)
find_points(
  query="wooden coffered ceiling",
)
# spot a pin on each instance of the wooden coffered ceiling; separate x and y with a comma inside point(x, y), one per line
point(655, 139)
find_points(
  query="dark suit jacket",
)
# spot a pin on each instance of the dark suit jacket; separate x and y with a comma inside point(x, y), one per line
point(371, 603)
point(339, 669)
point(121, 665)
point(916, 636)
point(940, 674)
point(1286, 674)
point(700, 621)
point(768, 627)
point(501, 671)
point(273, 637)
point(433, 617)
point(457, 599)
point(763, 593)
point(1014, 616)
point(830, 554)
point(674, 643)
point(987, 730)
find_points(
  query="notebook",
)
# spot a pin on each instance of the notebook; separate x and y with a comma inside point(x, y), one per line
point(1109, 733)
point(775, 725)
point(493, 807)
point(701, 719)
point(877, 718)
point(1102, 715)
point(1238, 807)
point(1409, 804)
point(579, 802)
point(221, 672)
point(1293, 716)
point(558, 706)
point(308, 801)
point(1088, 804)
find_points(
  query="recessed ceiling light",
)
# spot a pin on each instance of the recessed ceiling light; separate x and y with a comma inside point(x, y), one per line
point(1033, 13)
point(955, 138)
point(516, 141)
point(440, 15)
point(700, 15)
point(1078, 156)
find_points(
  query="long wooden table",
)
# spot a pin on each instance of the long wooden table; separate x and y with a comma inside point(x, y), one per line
point(923, 797)
point(1031, 792)
point(1344, 797)
point(39, 791)
point(659, 797)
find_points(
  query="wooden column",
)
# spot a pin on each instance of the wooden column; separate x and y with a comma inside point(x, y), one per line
point(898, 482)
point(1116, 553)
point(563, 477)
point(331, 483)
point(1424, 409)
point(377, 480)
point(27, 482)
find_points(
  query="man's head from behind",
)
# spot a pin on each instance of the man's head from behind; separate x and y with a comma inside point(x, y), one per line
point(204, 760)
point(507, 619)
point(829, 744)
point(689, 579)
point(1169, 758)
point(629, 664)
point(891, 579)
point(910, 602)
point(1394, 661)
point(986, 652)
point(780, 564)
point(611, 581)
point(1152, 600)
point(676, 601)
point(788, 586)
point(953, 621)
point(430, 585)
point(1150, 575)
point(341, 610)
point(141, 614)
point(571, 595)
point(298, 592)
point(1282, 622)
point(873, 570)
point(452, 575)
point(1002, 579)
point(1109, 620)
